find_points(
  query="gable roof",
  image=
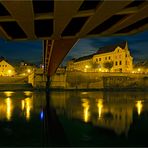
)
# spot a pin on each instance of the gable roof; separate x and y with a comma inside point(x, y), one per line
point(102, 50)
point(111, 48)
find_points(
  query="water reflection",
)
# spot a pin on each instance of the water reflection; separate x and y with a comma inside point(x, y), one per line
point(22, 102)
point(85, 104)
point(100, 106)
point(8, 108)
point(21, 123)
point(114, 111)
point(139, 107)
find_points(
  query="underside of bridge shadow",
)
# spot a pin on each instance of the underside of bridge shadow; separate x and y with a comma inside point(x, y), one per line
point(53, 130)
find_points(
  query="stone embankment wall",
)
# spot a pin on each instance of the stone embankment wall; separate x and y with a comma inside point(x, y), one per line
point(82, 80)
point(13, 80)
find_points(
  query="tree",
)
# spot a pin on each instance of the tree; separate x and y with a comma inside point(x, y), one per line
point(94, 65)
point(108, 65)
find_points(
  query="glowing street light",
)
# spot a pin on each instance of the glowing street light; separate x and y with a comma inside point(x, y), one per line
point(86, 66)
point(28, 70)
point(139, 69)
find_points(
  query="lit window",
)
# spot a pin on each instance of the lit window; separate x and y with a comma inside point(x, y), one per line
point(125, 62)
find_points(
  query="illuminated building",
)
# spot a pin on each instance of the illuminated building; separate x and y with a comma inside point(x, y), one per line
point(118, 54)
point(6, 69)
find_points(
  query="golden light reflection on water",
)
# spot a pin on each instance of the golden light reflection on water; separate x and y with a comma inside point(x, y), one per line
point(23, 104)
point(27, 93)
point(86, 106)
point(8, 108)
point(139, 107)
point(100, 106)
point(27, 106)
point(8, 93)
point(8, 105)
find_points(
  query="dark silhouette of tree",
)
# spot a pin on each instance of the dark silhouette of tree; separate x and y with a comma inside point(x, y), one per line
point(108, 65)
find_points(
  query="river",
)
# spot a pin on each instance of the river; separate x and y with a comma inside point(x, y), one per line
point(73, 118)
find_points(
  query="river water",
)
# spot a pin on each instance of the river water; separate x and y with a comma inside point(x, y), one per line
point(73, 118)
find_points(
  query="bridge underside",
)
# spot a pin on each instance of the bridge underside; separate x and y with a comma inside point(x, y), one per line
point(61, 23)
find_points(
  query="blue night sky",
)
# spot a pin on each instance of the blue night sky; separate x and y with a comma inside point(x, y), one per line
point(31, 51)
point(138, 45)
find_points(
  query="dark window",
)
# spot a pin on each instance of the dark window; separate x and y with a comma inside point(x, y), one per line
point(105, 58)
point(99, 59)
point(96, 60)
point(120, 63)
point(109, 57)
point(125, 62)
point(116, 63)
point(5, 65)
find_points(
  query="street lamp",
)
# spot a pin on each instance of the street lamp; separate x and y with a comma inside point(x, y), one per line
point(139, 69)
point(86, 66)
point(28, 70)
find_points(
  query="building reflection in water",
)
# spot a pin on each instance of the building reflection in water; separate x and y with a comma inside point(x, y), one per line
point(112, 111)
point(86, 113)
point(139, 107)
